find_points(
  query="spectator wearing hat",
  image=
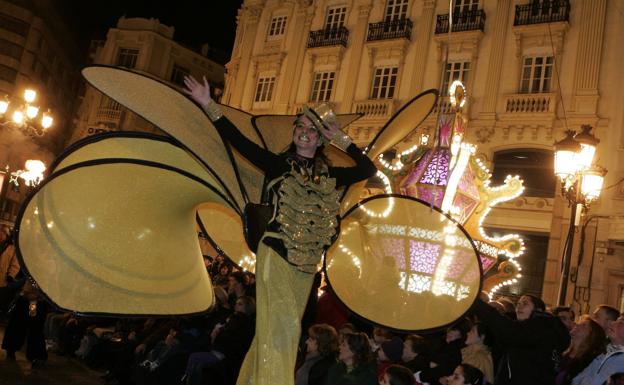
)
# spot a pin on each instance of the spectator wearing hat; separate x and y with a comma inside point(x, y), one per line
point(389, 353)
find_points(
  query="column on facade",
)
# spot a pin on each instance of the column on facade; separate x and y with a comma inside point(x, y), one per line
point(499, 34)
point(296, 50)
point(588, 56)
point(357, 48)
point(250, 17)
point(423, 37)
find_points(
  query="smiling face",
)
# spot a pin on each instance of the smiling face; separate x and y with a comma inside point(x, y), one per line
point(305, 136)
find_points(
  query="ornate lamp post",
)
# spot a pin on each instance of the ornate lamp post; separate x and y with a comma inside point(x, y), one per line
point(23, 114)
point(581, 184)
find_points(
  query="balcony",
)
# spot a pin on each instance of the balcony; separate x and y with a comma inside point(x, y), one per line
point(395, 29)
point(328, 36)
point(544, 12)
point(530, 103)
point(109, 115)
point(463, 21)
point(375, 108)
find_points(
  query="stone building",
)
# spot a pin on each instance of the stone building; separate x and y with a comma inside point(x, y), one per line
point(147, 46)
point(533, 69)
point(37, 51)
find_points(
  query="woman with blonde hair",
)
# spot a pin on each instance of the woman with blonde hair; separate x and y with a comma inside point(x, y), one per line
point(588, 341)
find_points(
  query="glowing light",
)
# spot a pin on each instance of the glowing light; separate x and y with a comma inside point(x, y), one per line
point(457, 94)
point(30, 95)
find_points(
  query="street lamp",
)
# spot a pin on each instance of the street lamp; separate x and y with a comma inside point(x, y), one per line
point(23, 114)
point(581, 183)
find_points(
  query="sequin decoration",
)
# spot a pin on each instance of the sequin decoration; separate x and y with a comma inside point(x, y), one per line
point(307, 215)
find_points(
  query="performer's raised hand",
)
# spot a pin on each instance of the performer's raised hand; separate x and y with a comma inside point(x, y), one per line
point(330, 129)
point(197, 91)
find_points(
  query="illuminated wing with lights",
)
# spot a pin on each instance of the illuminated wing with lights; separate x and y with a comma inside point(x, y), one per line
point(404, 265)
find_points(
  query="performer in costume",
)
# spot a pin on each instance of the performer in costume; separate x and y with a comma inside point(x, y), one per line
point(305, 192)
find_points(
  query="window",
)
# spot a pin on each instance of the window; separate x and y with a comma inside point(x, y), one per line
point(534, 166)
point(396, 9)
point(536, 74)
point(11, 49)
point(465, 6)
point(14, 25)
point(335, 17)
point(322, 86)
point(127, 57)
point(454, 71)
point(7, 74)
point(384, 82)
point(178, 73)
point(264, 89)
point(278, 26)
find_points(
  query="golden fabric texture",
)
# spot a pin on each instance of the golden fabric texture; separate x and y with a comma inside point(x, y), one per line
point(281, 296)
point(307, 215)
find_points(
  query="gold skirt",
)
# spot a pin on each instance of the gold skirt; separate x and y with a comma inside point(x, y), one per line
point(281, 295)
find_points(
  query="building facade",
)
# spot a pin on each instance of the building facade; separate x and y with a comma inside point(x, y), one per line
point(533, 68)
point(36, 51)
point(146, 46)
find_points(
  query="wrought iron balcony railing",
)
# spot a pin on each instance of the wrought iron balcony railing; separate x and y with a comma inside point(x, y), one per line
point(395, 29)
point(462, 21)
point(328, 36)
point(542, 12)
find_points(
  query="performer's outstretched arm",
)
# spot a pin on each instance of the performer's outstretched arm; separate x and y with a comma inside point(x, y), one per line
point(257, 155)
point(363, 169)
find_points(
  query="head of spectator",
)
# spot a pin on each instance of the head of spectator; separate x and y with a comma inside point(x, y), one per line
point(397, 375)
point(172, 338)
point(207, 262)
point(605, 315)
point(245, 305)
point(236, 283)
point(476, 335)
point(322, 339)
point(509, 306)
point(457, 331)
point(498, 306)
point(221, 296)
point(588, 339)
point(465, 374)
point(354, 350)
point(616, 332)
point(414, 346)
point(381, 335)
point(527, 305)
point(566, 315)
point(344, 329)
point(224, 269)
point(250, 278)
point(390, 350)
point(616, 379)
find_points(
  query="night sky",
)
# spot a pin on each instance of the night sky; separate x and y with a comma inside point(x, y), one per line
point(196, 22)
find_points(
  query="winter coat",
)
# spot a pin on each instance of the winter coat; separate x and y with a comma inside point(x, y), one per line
point(532, 347)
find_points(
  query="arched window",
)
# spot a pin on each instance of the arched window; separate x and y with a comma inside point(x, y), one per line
point(534, 166)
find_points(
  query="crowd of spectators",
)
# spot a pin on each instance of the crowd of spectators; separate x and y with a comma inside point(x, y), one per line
point(499, 342)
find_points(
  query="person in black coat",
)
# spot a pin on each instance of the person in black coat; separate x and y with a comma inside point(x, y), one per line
point(321, 350)
point(230, 342)
point(26, 324)
point(531, 344)
point(446, 359)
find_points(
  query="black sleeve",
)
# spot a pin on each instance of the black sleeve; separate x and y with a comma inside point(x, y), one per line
point(363, 169)
point(261, 158)
point(518, 334)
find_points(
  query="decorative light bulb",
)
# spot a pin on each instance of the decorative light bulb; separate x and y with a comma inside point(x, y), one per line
point(30, 95)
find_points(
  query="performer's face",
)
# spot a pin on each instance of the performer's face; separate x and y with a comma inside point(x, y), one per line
point(305, 135)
